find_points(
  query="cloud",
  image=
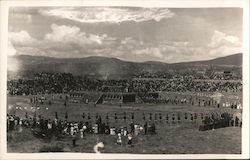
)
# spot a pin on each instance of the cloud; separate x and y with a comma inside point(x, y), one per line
point(63, 33)
point(222, 44)
point(110, 15)
point(67, 41)
point(219, 38)
point(151, 52)
point(21, 17)
point(165, 51)
point(63, 41)
point(21, 38)
point(20, 14)
point(73, 35)
point(181, 44)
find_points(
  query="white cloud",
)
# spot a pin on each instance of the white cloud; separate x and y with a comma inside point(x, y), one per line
point(110, 15)
point(63, 41)
point(218, 39)
point(223, 45)
point(151, 52)
point(21, 38)
point(181, 44)
point(69, 41)
point(63, 33)
point(72, 34)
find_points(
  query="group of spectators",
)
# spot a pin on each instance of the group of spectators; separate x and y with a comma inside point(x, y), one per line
point(41, 83)
point(184, 84)
point(219, 121)
point(190, 100)
point(47, 128)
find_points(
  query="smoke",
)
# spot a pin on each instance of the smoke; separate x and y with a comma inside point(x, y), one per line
point(13, 63)
point(106, 70)
point(11, 49)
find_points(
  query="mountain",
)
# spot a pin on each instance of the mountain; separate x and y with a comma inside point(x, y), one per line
point(104, 67)
point(235, 60)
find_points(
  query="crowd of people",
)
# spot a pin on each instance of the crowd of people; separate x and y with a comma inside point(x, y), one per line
point(132, 125)
point(123, 125)
point(219, 121)
point(46, 128)
point(41, 83)
point(184, 84)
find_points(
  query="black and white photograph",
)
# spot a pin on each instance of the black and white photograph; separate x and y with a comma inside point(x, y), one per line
point(125, 80)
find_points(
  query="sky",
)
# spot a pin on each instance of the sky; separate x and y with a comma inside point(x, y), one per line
point(129, 33)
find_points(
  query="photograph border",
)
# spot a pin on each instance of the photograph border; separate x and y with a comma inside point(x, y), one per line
point(6, 4)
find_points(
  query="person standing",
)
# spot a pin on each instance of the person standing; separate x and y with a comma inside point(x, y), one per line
point(143, 117)
point(150, 116)
point(160, 117)
point(74, 139)
point(119, 139)
point(146, 128)
point(20, 129)
point(115, 117)
point(191, 118)
point(83, 115)
point(132, 127)
point(125, 131)
point(178, 118)
point(89, 117)
point(167, 118)
point(71, 129)
point(236, 121)
point(81, 133)
point(124, 116)
point(130, 139)
point(107, 117)
point(132, 116)
point(173, 118)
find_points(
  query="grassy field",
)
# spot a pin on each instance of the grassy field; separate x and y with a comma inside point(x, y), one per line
point(170, 138)
point(75, 110)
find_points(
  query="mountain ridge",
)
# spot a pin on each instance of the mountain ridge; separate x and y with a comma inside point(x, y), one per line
point(238, 55)
point(105, 67)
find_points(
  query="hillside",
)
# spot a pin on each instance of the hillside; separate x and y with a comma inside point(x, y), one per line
point(104, 67)
point(235, 59)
